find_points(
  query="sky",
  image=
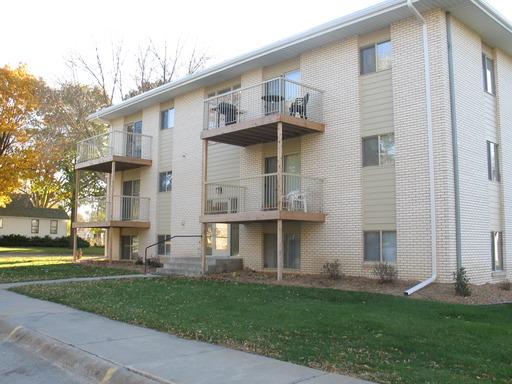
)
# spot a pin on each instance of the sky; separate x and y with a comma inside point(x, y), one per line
point(42, 34)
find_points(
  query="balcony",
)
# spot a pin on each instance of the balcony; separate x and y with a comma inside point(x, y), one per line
point(113, 212)
point(251, 115)
point(127, 150)
point(256, 198)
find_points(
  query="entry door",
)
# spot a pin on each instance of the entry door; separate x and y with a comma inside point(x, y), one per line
point(129, 203)
point(134, 140)
point(129, 247)
point(291, 166)
point(222, 239)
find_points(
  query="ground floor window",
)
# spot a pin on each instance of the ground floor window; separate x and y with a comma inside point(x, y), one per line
point(54, 227)
point(34, 227)
point(164, 245)
point(380, 246)
point(291, 250)
point(129, 247)
point(497, 251)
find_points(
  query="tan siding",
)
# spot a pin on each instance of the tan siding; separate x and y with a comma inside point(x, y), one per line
point(164, 213)
point(223, 162)
point(490, 117)
point(379, 201)
point(165, 150)
point(376, 103)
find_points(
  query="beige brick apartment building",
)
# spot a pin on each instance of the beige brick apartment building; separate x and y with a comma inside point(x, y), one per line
point(382, 136)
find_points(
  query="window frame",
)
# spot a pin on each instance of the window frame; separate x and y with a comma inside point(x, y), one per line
point(54, 229)
point(1, 222)
point(382, 249)
point(376, 57)
point(34, 226)
point(165, 119)
point(162, 176)
point(493, 161)
point(497, 251)
point(488, 74)
point(383, 157)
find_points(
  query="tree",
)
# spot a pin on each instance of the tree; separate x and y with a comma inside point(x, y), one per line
point(149, 67)
point(19, 101)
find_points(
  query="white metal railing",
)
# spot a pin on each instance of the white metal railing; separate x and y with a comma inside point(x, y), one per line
point(259, 193)
point(118, 143)
point(278, 95)
point(115, 208)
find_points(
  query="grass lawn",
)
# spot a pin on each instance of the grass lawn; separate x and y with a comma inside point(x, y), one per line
point(91, 251)
point(381, 338)
point(19, 268)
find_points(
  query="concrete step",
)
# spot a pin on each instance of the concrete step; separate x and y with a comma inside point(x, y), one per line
point(192, 266)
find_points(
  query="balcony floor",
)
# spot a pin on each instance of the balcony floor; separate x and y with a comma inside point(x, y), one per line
point(112, 224)
point(251, 217)
point(262, 130)
point(104, 164)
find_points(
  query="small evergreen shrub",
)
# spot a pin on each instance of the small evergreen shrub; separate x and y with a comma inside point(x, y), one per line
point(332, 270)
point(461, 283)
point(385, 273)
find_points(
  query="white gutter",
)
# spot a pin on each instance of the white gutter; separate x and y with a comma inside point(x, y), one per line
point(433, 228)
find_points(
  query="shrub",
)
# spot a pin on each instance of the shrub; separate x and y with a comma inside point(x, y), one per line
point(332, 270)
point(139, 260)
point(505, 285)
point(461, 283)
point(36, 241)
point(154, 262)
point(385, 273)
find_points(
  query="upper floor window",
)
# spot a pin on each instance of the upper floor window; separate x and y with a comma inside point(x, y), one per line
point(54, 226)
point(379, 150)
point(168, 119)
point(34, 226)
point(493, 165)
point(376, 57)
point(165, 181)
point(488, 67)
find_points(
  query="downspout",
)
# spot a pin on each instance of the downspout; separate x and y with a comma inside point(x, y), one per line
point(455, 142)
point(428, 96)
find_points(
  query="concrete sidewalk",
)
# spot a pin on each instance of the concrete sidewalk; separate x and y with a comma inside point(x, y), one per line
point(107, 351)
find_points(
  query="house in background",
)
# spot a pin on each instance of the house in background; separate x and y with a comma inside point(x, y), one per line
point(382, 136)
point(20, 217)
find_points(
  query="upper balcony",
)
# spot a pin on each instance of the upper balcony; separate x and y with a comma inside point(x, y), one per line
point(256, 198)
point(113, 211)
point(127, 150)
point(251, 115)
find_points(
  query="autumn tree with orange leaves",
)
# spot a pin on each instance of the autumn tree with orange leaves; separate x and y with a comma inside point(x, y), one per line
point(19, 101)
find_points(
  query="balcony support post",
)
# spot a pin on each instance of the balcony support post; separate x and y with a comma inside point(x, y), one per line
point(203, 207)
point(74, 215)
point(280, 250)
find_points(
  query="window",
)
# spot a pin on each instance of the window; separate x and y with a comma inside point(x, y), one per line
point(34, 226)
point(54, 225)
point(379, 150)
point(1, 222)
point(164, 246)
point(168, 119)
point(380, 246)
point(497, 251)
point(493, 165)
point(376, 57)
point(291, 250)
point(488, 67)
point(165, 181)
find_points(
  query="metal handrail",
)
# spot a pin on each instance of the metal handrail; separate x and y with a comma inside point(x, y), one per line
point(160, 242)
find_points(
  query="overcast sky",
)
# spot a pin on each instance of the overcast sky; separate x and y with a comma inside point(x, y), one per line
point(42, 33)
